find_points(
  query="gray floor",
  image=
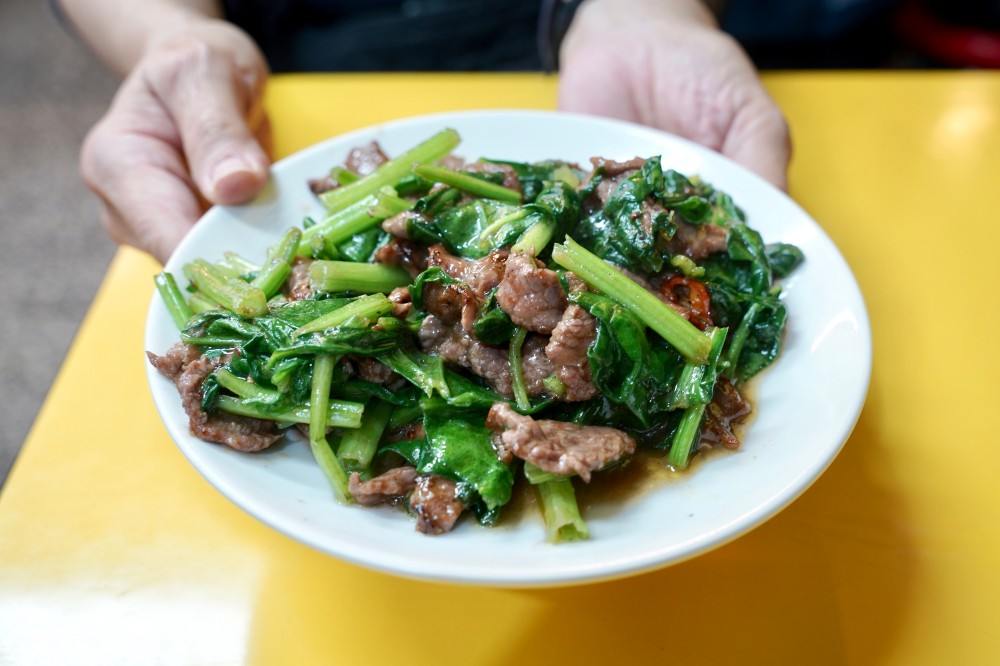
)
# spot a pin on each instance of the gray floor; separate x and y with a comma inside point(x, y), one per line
point(52, 250)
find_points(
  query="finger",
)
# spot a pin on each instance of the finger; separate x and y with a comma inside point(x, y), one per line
point(264, 136)
point(760, 140)
point(149, 200)
point(210, 102)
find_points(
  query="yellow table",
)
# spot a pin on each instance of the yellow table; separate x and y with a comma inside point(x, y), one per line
point(113, 550)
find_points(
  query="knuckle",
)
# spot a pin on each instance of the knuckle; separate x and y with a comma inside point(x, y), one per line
point(168, 65)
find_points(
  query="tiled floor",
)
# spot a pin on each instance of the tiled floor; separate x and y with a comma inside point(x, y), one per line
point(52, 250)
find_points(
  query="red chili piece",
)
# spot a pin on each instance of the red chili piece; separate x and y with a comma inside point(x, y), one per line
point(693, 299)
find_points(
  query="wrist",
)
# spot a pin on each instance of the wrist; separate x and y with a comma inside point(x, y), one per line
point(695, 12)
point(598, 20)
point(119, 33)
point(216, 35)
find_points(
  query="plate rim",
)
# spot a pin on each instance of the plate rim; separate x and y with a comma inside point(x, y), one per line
point(594, 572)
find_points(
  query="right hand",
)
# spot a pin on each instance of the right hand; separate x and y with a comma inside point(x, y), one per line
point(666, 64)
point(185, 130)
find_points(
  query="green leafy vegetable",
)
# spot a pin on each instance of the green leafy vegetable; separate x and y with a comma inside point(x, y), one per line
point(355, 372)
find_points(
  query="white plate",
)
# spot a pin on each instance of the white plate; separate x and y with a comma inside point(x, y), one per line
point(806, 404)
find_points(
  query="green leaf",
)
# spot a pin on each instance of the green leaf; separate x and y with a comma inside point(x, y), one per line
point(459, 447)
point(628, 366)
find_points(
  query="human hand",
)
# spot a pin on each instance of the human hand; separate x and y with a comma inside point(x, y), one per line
point(667, 65)
point(185, 130)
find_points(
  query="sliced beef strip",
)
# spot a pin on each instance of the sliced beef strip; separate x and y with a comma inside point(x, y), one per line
point(237, 432)
point(361, 160)
point(462, 349)
point(453, 303)
point(728, 407)
point(172, 363)
point(557, 446)
point(365, 159)
point(531, 294)
point(698, 241)
point(510, 179)
point(572, 337)
point(412, 430)
point(373, 370)
point(535, 365)
point(650, 211)
point(457, 347)
point(402, 302)
point(482, 275)
point(614, 168)
point(452, 161)
point(605, 189)
point(298, 287)
point(613, 174)
point(385, 488)
point(397, 224)
point(325, 184)
point(435, 505)
point(461, 301)
point(405, 254)
point(567, 349)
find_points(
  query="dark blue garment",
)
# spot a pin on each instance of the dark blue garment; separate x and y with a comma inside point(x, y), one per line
point(776, 22)
point(392, 35)
point(800, 34)
point(468, 35)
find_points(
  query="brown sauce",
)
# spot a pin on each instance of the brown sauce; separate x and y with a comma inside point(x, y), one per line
point(647, 470)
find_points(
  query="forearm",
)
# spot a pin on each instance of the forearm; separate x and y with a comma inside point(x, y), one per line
point(119, 33)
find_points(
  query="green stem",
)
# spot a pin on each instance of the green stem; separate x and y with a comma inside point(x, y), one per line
point(517, 369)
point(318, 409)
point(201, 303)
point(358, 217)
point(231, 293)
point(213, 341)
point(739, 339)
point(392, 171)
point(178, 308)
point(371, 306)
point(237, 264)
point(675, 329)
point(684, 438)
point(403, 415)
point(339, 276)
point(343, 176)
point(536, 238)
point(339, 413)
point(560, 509)
point(388, 203)
point(287, 245)
point(696, 383)
point(357, 447)
point(272, 276)
point(245, 389)
point(468, 183)
point(338, 227)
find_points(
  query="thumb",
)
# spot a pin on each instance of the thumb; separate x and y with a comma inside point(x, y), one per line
point(759, 139)
point(213, 105)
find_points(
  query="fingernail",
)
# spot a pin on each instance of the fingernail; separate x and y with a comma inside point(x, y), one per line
point(234, 179)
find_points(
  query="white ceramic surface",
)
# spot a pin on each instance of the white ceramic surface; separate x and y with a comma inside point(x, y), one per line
point(806, 404)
